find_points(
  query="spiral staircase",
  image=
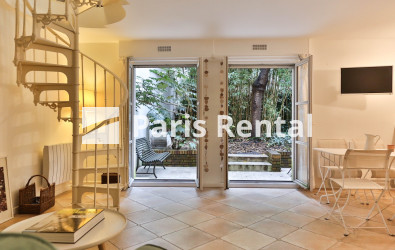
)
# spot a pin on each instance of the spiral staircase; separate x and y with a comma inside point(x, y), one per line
point(61, 78)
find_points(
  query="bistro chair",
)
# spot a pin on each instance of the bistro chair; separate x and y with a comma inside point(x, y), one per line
point(360, 160)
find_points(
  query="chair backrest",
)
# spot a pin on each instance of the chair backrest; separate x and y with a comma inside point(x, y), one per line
point(366, 159)
point(332, 143)
point(142, 146)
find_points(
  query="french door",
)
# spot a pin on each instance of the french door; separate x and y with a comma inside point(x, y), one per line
point(143, 69)
point(302, 109)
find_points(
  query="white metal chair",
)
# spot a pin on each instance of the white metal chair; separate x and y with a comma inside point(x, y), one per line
point(360, 160)
point(330, 164)
point(377, 175)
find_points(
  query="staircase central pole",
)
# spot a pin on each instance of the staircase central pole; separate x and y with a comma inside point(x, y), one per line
point(76, 116)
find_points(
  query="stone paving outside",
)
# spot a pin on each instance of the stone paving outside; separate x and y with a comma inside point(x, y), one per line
point(189, 173)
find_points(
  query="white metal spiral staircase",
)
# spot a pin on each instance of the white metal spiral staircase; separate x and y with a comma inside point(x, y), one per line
point(50, 65)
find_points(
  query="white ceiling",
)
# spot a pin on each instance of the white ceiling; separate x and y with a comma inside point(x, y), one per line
point(221, 19)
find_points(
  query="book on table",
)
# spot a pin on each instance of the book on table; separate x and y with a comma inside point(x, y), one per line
point(66, 225)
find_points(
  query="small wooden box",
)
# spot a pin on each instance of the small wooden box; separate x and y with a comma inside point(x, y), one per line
point(113, 178)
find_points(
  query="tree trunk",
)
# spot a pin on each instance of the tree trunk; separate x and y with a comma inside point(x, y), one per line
point(258, 91)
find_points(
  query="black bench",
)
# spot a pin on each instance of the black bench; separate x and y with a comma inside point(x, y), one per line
point(149, 157)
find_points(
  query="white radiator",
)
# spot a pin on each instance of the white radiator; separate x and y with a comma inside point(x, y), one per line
point(57, 163)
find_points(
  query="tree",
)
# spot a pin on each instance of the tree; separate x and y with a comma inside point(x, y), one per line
point(258, 92)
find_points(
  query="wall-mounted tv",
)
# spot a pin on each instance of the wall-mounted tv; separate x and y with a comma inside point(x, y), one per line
point(366, 80)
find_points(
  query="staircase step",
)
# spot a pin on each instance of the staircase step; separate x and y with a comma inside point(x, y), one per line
point(64, 23)
point(45, 42)
point(249, 163)
point(99, 170)
point(100, 188)
point(40, 64)
point(251, 166)
point(247, 157)
point(48, 86)
point(59, 103)
point(87, 153)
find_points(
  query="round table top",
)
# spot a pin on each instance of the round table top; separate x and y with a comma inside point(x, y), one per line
point(113, 223)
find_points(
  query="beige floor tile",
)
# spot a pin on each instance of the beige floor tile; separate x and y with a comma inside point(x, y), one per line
point(351, 221)
point(137, 204)
point(145, 216)
point(157, 242)
point(129, 206)
point(218, 245)
point(309, 209)
point(219, 209)
point(198, 202)
point(248, 239)
point(140, 194)
point(171, 209)
point(241, 192)
point(188, 238)
point(240, 203)
point(378, 224)
point(302, 195)
point(284, 203)
point(264, 210)
point(356, 211)
point(277, 245)
point(164, 226)
point(153, 201)
point(177, 196)
point(276, 192)
point(370, 240)
point(130, 224)
point(293, 219)
point(388, 212)
point(309, 240)
point(216, 195)
point(344, 246)
point(243, 218)
point(132, 236)
point(322, 227)
point(273, 228)
point(257, 197)
point(218, 227)
point(193, 217)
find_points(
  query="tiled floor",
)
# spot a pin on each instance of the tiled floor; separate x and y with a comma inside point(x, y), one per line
point(239, 218)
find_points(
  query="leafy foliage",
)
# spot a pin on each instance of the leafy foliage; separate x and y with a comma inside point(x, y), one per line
point(170, 94)
point(277, 98)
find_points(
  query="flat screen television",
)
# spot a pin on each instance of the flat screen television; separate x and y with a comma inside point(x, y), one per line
point(366, 80)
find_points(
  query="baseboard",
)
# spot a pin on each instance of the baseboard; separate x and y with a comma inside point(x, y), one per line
point(61, 188)
point(266, 184)
point(163, 183)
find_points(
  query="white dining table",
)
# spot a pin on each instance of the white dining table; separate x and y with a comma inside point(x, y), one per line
point(338, 151)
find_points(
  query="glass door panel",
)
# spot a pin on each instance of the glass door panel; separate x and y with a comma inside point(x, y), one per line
point(302, 110)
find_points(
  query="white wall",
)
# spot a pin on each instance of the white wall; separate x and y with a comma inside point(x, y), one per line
point(350, 116)
point(107, 54)
point(24, 128)
point(201, 48)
